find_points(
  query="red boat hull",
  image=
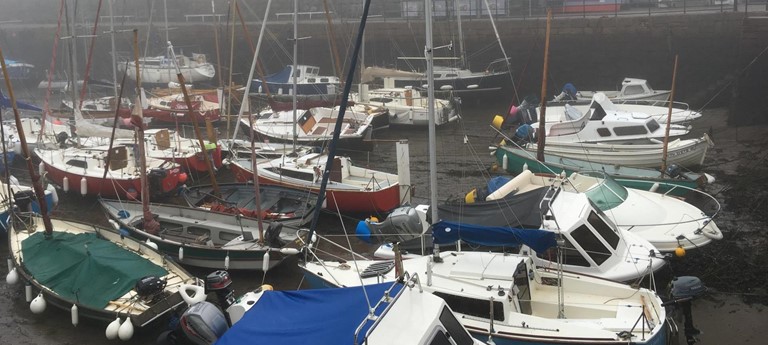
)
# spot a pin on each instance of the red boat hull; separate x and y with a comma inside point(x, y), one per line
point(196, 163)
point(113, 188)
point(377, 202)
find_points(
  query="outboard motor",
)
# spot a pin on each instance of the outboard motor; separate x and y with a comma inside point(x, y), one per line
point(272, 235)
point(149, 288)
point(673, 170)
point(219, 282)
point(23, 200)
point(402, 224)
point(61, 138)
point(155, 178)
point(203, 323)
point(681, 291)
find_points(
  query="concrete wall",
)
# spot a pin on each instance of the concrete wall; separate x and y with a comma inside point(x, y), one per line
point(592, 53)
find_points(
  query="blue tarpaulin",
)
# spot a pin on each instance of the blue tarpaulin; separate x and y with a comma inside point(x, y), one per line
point(5, 102)
point(449, 232)
point(326, 316)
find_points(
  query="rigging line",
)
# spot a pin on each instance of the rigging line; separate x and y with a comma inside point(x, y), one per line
point(734, 79)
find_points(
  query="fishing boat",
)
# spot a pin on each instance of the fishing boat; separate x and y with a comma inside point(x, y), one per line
point(673, 181)
point(205, 238)
point(291, 207)
point(632, 89)
point(407, 107)
point(312, 89)
point(18, 71)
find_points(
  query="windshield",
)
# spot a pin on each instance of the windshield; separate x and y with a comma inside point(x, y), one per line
point(607, 194)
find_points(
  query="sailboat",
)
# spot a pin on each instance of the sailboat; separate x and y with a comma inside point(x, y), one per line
point(96, 273)
point(161, 69)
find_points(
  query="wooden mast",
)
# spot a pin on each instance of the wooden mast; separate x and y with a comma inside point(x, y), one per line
point(669, 119)
point(541, 133)
point(38, 187)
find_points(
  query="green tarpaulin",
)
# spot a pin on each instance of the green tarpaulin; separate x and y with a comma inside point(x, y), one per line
point(85, 268)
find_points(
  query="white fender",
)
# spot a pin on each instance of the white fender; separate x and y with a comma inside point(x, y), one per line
point(112, 328)
point(114, 225)
point(28, 292)
point(83, 186)
point(75, 315)
point(54, 194)
point(504, 162)
point(65, 184)
point(181, 253)
point(41, 168)
point(125, 332)
point(9, 262)
point(38, 304)
point(654, 187)
point(289, 251)
point(265, 262)
point(151, 244)
point(226, 262)
point(199, 294)
point(12, 277)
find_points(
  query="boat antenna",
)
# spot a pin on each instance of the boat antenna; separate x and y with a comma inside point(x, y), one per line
point(294, 73)
point(39, 193)
point(195, 125)
point(669, 119)
point(542, 130)
point(339, 120)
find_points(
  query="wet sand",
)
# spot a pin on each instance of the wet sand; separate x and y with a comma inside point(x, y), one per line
point(735, 269)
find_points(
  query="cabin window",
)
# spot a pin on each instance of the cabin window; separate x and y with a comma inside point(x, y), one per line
point(633, 90)
point(440, 339)
point(652, 125)
point(323, 80)
point(608, 233)
point(310, 80)
point(571, 255)
point(77, 163)
point(472, 306)
point(381, 99)
point(314, 71)
point(437, 76)
point(630, 130)
point(451, 75)
point(227, 236)
point(604, 132)
point(298, 73)
point(591, 244)
point(170, 228)
point(198, 231)
point(454, 327)
point(523, 288)
point(294, 174)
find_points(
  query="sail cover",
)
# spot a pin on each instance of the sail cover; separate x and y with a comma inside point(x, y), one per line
point(84, 267)
point(449, 232)
point(325, 316)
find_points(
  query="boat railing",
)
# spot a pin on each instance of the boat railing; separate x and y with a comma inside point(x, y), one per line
point(409, 282)
point(707, 203)
point(658, 103)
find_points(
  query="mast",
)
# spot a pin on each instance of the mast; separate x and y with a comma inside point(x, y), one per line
point(245, 105)
point(195, 125)
point(339, 120)
point(150, 225)
point(462, 54)
point(114, 52)
point(428, 54)
point(669, 119)
point(542, 131)
point(38, 187)
point(295, 78)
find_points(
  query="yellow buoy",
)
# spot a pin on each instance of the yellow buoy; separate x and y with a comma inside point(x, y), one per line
point(266, 287)
point(680, 252)
point(374, 219)
point(470, 197)
point(498, 120)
